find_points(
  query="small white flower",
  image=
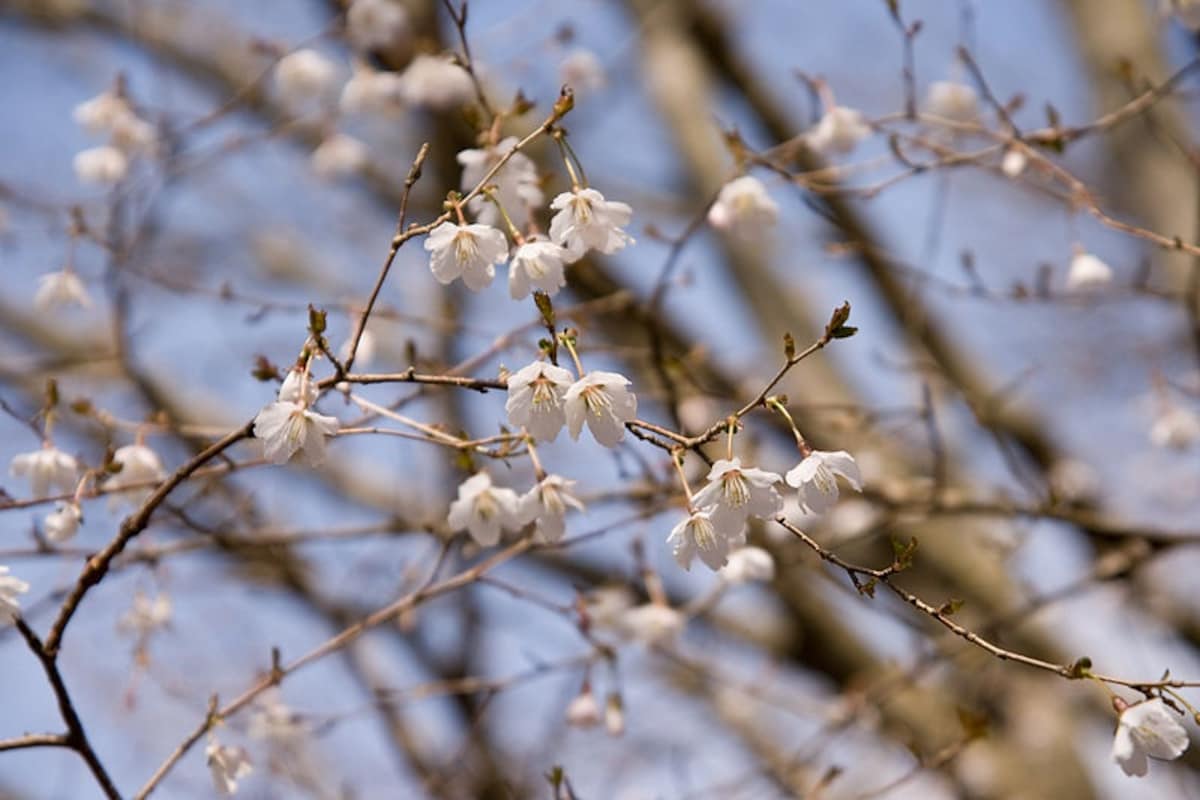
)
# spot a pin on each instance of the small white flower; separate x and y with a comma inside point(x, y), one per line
point(11, 587)
point(337, 156)
point(436, 82)
point(1014, 162)
point(517, 185)
point(290, 389)
point(304, 75)
point(585, 220)
point(146, 615)
point(58, 289)
point(546, 504)
point(537, 264)
point(1147, 730)
point(816, 478)
point(377, 23)
point(839, 131)
point(602, 400)
point(748, 564)
point(1176, 427)
point(466, 251)
point(227, 765)
point(99, 114)
point(484, 510)
point(743, 208)
point(286, 428)
point(139, 465)
point(274, 721)
point(101, 165)
point(952, 100)
point(583, 711)
point(536, 397)
point(134, 135)
point(736, 493)
point(582, 71)
point(47, 468)
point(695, 535)
point(371, 91)
point(652, 623)
point(1088, 272)
point(63, 523)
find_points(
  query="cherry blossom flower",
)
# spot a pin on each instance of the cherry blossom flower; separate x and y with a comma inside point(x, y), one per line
point(1014, 162)
point(748, 564)
point(601, 400)
point(466, 251)
point(146, 615)
point(101, 165)
point(304, 75)
point(139, 465)
point(99, 114)
point(62, 523)
point(743, 208)
point(517, 185)
point(695, 535)
point(371, 91)
point(227, 765)
point(583, 711)
point(47, 468)
point(58, 289)
point(1176, 428)
point(816, 478)
point(839, 131)
point(286, 428)
point(546, 504)
point(134, 135)
point(652, 623)
point(582, 71)
point(952, 100)
point(293, 384)
point(436, 82)
point(1088, 272)
point(585, 220)
point(274, 721)
point(11, 587)
point(1147, 730)
point(377, 23)
point(537, 264)
point(337, 156)
point(484, 510)
point(536, 397)
point(736, 493)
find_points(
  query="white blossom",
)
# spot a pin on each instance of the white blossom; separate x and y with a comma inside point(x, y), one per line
point(816, 478)
point(337, 156)
point(652, 623)
point(582, 71)
point(1088, 272)
point(736, 493)
point(293, 383)
point(839, 130)
point(134, 135)
point(583, 711)
point(585, 220)
point(952, 100)
point(304, 75)
point(1176, 427)
point(1147, 730)
point(695, 535)
point(274, 721)
point(602, 400)
point(743, 208)
point(466, 251)
point(537, 264)
point(101, 165)
point(547, 504)
point(139, 465)
point(377, 23)
point(435, 82)
point(62, 523)
point(146, 615)
point(1014, 162)
point(47, 468)
point(371, 91)
point(286, 428)
point(536, 397)
point(227, 765)
point(484, 510)
point(61, 288)
point(100, 113)
point(517, 185)
point(748, 564)
point(11, 587)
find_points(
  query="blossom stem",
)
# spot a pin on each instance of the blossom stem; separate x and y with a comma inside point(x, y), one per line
point(538, 471)
point(569, 343)
point(731, 429)
point(490, 191)
point(571, 161)
point(776, 405)
point(677, 462)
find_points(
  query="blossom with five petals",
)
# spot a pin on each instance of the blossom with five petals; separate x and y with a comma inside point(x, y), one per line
point(816, 478)
point(697, 536)
point(546, 504)
point(466, 251)
point(736, 493)
point(1147, 730)
point(585, 220)
point(602, 400)
point(484, 510)
point(537, 264)
point(536, 397)
point(286, 428)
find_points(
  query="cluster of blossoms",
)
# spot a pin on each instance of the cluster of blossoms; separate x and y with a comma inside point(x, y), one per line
point(111, 114)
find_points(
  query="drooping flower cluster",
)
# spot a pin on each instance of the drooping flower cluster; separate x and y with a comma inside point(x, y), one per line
point(486, 511)
point(46, 469)
point(542, 398)
point(717, 522)
point(111, 114)
point(1147, 730)
point(516, 183)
